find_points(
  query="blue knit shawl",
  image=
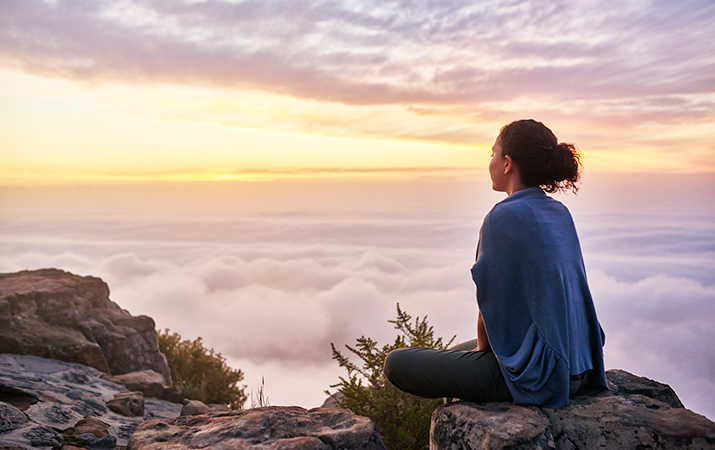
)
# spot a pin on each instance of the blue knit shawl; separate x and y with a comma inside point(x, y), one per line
point(534, 298)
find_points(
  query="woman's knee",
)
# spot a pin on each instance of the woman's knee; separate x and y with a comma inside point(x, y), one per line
point(395, 363)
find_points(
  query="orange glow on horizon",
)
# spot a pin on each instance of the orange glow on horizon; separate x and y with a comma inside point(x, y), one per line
point(57, 132)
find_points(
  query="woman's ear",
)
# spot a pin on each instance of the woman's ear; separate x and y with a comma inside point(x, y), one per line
point(509, 164)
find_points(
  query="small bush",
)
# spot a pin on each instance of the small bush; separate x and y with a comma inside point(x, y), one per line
point(403, 420)
point(203, 373)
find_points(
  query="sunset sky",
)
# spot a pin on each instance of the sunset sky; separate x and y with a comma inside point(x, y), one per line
point(134, 134)
point(224, 89)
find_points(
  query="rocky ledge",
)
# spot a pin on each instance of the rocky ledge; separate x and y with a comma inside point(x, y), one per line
point(635, 413)
point(269, 428)
point(55, 314)
point(48, 404)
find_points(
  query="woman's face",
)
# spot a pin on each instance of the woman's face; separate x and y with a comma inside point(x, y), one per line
point(497, 168)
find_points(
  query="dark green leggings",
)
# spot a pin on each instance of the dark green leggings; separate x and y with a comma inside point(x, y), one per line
point(455, 373)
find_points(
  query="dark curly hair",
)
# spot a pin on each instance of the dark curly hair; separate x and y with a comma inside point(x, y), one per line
point(541, 159)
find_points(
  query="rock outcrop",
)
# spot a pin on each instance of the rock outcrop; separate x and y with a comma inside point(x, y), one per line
point(149, 383)
point(635, 413)
point(55, 314)
point(269, 428)
point(46, 403)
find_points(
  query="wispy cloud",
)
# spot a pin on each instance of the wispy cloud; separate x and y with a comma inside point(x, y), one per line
point(446, 52)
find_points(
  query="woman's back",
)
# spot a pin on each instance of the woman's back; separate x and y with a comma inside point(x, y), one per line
point(533, 293)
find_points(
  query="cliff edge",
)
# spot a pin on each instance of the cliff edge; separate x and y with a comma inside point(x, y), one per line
point(58, 315)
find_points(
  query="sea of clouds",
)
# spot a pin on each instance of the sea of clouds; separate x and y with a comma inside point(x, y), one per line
point(270, 274)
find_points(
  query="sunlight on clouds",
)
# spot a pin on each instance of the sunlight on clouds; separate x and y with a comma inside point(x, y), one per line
point(173, 132)
point(270, 274)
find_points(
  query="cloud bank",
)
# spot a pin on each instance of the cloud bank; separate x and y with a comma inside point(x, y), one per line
point(270, 285)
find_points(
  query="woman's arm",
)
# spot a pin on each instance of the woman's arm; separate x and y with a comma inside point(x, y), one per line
point(482, 338)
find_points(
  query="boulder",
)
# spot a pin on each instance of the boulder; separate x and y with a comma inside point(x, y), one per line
point(130, 404)
point(490, 426)
point(149, 383)
point(89, 433)
point(195, 408)
point(55, 314)
point(270, 427)
point(634, 413)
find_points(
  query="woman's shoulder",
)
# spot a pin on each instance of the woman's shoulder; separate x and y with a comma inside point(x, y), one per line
point(519, 203)
point(525, 207)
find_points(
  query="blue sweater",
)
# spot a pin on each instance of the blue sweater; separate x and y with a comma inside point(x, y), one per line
point(534, 298)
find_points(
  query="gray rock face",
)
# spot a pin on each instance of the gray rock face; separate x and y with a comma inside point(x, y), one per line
point(636, 413)
point(490, 426)
point(149, 383)
point(55, 314)
point(41, 400)
point(11, 418)
point(288, 428)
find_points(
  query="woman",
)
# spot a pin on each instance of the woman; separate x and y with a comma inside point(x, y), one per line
point(538, 339)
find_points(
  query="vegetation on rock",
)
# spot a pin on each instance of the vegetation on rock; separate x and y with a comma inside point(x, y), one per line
point(203, 373)
point(403, 420)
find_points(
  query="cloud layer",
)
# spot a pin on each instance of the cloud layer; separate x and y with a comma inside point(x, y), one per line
point(270, 285)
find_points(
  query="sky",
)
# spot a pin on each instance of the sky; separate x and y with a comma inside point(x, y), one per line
point(275, 176)
point(220, 89)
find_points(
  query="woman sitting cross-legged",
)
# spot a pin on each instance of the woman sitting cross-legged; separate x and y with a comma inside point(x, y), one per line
point(538, 338)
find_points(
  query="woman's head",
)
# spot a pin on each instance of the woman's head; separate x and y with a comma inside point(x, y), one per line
point(541, 159)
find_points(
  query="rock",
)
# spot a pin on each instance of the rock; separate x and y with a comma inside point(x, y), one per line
point(622, 382)
point(53, 415)
point(11, 418)
point(149, 383)
point(219, 408)
point(635, 413)
point(90, 432)
point(32, 436)
point(130, 404)
point(629, 422)
point(91, 425)
point(490, 426)
point(55, 314)
point(266, 428)
point(61, 393)
point(194, 408)
point(333, 400)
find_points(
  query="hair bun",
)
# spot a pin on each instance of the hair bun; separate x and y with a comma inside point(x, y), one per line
point(542, 160)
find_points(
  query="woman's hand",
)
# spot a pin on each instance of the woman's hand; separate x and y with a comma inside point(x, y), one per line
point(482, 338)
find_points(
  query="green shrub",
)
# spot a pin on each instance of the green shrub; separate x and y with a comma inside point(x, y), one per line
point(203, 373)
point(403, 420)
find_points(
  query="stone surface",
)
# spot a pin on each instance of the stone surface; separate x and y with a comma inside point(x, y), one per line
point(42, 399)
point(149, 383)
point(490, 426)
point(53, 415)
point(265, 428)
point(636, 413)
point(58, 315)
point(32, 436)
point(11, 418)
point(622, 382)
point(632, 421)
point(130, 404)
point(91, 433)
point(195, 408)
